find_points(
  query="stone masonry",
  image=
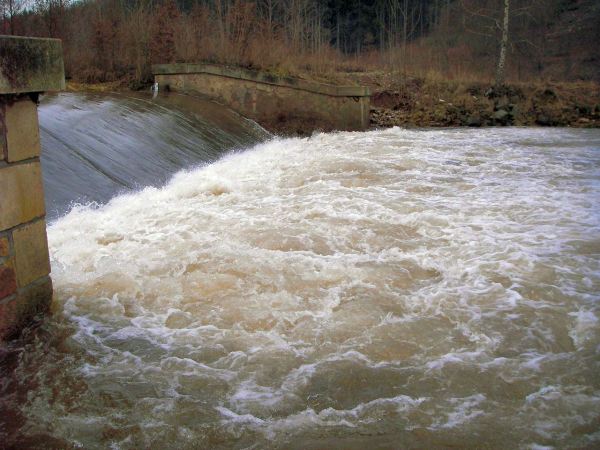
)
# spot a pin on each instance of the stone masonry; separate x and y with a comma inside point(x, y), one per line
point(27, 67)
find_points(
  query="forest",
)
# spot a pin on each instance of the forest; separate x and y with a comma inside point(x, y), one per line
point(108, 40)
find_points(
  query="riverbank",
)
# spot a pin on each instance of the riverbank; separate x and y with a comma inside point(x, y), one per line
point(421, 102)
point(407, 101)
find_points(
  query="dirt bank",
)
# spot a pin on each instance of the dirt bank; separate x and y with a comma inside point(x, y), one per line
point(423, 103)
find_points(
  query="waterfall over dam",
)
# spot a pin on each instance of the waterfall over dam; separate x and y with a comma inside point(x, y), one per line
point(96, 146)
point(385, 289)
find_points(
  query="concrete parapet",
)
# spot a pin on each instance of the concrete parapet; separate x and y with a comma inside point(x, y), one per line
point(269, 98)
point(28, 66)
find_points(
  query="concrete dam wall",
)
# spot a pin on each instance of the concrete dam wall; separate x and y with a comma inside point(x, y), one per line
point(270, 99)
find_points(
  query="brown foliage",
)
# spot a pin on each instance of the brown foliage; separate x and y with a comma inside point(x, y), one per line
point(166, 21)
point(106, 40)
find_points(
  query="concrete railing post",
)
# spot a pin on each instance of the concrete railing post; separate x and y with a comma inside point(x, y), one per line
point(28, 66)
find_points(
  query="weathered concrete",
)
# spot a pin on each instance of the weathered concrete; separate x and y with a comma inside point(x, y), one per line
point(28, 66)
point(270, 99)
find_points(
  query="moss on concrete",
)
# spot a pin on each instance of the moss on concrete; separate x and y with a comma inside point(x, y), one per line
point(30, 65)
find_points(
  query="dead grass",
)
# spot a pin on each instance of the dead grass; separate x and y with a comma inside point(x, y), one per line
point(73, 86)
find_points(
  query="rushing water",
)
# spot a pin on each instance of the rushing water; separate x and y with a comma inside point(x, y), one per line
point(388, 289)
point(96, 146)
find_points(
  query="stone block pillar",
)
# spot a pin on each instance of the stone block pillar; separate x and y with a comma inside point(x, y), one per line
point(28, 67)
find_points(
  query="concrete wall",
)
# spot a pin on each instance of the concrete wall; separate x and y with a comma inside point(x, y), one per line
point(270, 99)
point(28, 66)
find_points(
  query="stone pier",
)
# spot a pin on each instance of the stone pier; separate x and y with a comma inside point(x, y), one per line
point(28, 67)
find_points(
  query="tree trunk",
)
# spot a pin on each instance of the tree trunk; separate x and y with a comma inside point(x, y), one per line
point(500, 70)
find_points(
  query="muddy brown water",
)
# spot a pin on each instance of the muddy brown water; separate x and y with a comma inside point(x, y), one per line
point(387, 289)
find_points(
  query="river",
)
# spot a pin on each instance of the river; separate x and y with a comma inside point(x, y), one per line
point(384, 289)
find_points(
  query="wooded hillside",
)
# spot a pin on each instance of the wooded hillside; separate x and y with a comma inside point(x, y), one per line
point(107, 40)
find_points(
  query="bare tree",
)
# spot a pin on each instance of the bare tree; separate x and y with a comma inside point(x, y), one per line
point(489, 27)
point(10, 10)
point(54, 14)
point(500, 69)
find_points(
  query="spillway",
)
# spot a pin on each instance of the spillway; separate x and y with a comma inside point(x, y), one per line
point(96, 146)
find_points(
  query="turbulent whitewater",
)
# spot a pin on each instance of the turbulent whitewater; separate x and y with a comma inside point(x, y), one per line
point(388, 289)
point(95, 146)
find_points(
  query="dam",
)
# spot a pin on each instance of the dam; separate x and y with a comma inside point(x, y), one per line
point(231, 289)
point(96, 146)
point(216, 286)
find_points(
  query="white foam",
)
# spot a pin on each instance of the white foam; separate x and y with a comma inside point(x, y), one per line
point(347, 280)
point(585, 327)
